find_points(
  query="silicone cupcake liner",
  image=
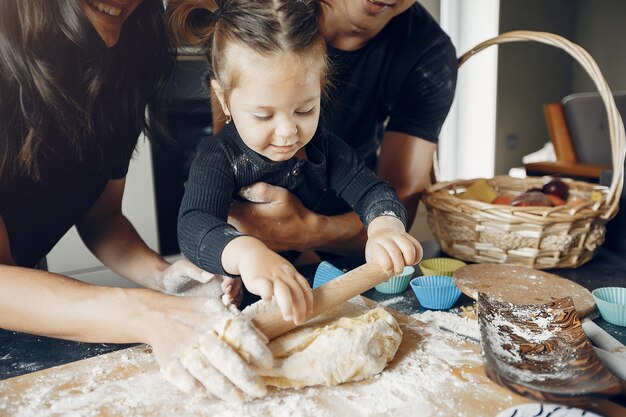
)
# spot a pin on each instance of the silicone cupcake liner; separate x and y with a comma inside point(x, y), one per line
point(435, 292)
point(440, 266)
point(398, 283)
point(325, 272)
point(611, 302)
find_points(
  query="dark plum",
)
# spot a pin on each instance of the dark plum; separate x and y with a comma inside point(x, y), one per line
point(558, 188)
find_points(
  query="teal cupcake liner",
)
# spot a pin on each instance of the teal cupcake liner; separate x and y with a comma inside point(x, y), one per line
point(325, 272)
point(435, 292)
point(611, 302)
point(398, 283)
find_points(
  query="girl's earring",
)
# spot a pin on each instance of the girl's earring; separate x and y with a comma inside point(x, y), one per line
point(228, 118)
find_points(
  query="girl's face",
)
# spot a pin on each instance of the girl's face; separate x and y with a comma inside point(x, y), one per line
point(108, 16)
point(275, 104)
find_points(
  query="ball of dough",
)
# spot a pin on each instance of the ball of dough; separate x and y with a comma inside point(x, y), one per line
point(333, 352)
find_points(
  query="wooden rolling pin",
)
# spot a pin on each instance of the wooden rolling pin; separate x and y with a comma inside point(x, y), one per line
point(325, 297)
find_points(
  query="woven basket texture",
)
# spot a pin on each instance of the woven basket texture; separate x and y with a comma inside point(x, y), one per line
point(540, 237)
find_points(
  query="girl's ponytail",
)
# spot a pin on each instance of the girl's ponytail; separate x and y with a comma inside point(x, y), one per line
point(192, 22)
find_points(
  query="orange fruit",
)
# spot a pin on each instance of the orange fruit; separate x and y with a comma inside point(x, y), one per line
point(503, 199)
point(556, 200)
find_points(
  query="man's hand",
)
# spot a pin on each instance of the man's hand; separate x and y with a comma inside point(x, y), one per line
point(276, 217)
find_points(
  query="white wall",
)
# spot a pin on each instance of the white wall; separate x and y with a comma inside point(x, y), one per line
point(600, 29)
point(530, 75)
point(470, 127)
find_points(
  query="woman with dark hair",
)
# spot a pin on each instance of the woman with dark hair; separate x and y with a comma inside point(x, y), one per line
point(79, 81)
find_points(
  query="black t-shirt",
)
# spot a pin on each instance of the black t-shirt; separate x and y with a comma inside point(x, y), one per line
point(406, 74)
point(38, 213)
point(224, 164)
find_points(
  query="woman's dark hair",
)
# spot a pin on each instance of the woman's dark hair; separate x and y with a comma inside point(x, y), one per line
point(59, 80)
point(265, 26)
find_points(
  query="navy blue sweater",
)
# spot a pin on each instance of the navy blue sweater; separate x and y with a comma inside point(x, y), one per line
point(224, 164)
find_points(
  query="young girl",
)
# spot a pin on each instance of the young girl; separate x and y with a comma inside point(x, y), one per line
point(268, 71)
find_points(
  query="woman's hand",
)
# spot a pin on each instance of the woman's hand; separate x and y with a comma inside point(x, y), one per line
point(390, 246)
point(201, 345)
point(184, 278)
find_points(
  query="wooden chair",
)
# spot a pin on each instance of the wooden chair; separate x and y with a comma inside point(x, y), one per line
point(567, 161)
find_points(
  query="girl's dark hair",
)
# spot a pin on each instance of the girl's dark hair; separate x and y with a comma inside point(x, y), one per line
point(265, 26)
point(59, 80)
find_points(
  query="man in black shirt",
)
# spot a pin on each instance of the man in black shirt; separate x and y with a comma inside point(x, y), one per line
point(393, 75)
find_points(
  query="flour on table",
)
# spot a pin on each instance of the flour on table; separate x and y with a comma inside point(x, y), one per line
point(460, 325)
point(433, 374)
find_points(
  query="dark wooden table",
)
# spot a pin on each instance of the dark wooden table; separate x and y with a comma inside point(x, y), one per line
point(22, 353)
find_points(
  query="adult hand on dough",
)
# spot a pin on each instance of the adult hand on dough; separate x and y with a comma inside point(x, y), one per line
point(390, 246)
point(201, 345)
point(184, 278)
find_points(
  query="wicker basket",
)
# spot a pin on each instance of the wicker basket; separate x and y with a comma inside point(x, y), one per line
point(540, 237)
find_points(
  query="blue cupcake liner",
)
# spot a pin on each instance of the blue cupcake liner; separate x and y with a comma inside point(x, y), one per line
point(611, 302)
point(435, 292)
point(398, 283)
point(325, 272)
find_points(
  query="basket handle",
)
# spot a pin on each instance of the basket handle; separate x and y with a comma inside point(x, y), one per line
point(616, 126)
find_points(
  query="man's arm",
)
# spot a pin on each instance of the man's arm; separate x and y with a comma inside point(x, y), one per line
point(405, 162)
point(300, 228)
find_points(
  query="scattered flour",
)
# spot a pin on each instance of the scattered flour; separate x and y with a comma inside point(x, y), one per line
point(433, 374)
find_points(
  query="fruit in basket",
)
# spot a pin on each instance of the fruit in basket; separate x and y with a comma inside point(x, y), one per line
point(532, 198)
point(556, 200)
point(479, 190)
point(556, 187)
point(576, 202)
point(503, 199)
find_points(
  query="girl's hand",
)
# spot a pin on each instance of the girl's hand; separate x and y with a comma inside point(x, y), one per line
point(203, 346)
point(267, 274)
point(390, 246)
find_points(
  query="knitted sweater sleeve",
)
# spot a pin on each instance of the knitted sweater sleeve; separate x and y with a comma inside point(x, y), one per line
point(367, 194)
point(203, 232)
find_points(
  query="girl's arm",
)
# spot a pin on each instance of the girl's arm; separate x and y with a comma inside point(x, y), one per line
point(268, 275)
point(378, 206)
point(210, 242)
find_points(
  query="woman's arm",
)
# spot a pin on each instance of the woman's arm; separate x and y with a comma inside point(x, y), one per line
point(46, 304)
point(52, 305)
point(114, 241)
